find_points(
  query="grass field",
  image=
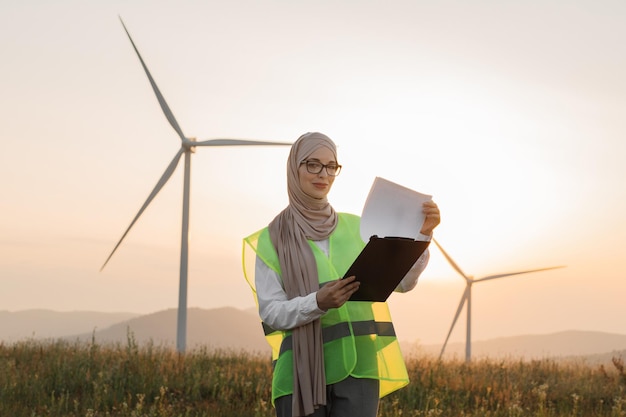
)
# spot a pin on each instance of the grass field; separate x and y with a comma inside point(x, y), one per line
point(58, 378)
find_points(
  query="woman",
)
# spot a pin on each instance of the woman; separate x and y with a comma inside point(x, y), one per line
point(333, 357)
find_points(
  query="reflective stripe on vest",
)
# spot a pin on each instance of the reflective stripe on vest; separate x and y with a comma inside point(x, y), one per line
point(339, 330)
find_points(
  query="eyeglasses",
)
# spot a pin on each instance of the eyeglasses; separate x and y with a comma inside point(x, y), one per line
point(315, 167)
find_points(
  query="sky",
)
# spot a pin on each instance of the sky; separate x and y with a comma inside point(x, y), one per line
point(511, 114)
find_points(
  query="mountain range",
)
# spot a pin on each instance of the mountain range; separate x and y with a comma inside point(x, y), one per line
point(229, 328)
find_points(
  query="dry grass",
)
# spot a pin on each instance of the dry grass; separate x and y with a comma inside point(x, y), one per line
point(58, 378)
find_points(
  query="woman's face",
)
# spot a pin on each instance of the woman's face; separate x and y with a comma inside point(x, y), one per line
point(317, 185)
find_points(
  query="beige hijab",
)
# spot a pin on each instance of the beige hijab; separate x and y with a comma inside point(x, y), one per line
point(304, 218)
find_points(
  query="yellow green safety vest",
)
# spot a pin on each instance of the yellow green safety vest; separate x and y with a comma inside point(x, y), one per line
point(359, 337)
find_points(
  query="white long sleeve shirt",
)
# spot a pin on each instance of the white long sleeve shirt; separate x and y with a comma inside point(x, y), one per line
point(280, 313)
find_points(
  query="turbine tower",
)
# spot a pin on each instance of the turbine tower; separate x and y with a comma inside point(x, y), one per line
point(187, 147)
point(467, 298)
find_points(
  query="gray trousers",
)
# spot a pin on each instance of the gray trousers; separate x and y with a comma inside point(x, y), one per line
point(352, 397)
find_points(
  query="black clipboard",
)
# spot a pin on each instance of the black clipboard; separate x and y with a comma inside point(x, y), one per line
point(382, 264)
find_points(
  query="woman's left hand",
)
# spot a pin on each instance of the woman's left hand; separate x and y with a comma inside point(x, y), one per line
point(432, 217)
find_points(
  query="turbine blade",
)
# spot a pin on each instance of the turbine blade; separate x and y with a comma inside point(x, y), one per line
point(454, 265)
point(516, 273)
point(164, 178)
point(166, 109)
point(238, 142)
point(456, 316)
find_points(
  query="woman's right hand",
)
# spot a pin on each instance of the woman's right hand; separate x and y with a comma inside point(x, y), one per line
point(334, 294)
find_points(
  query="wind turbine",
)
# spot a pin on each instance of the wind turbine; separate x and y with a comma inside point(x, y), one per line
point(187, 147)
point(467, 298)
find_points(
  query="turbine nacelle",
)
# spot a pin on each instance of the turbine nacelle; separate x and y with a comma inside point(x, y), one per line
point(189, 144)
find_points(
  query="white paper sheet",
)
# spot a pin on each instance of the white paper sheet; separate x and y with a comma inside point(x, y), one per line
point(392, 210)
